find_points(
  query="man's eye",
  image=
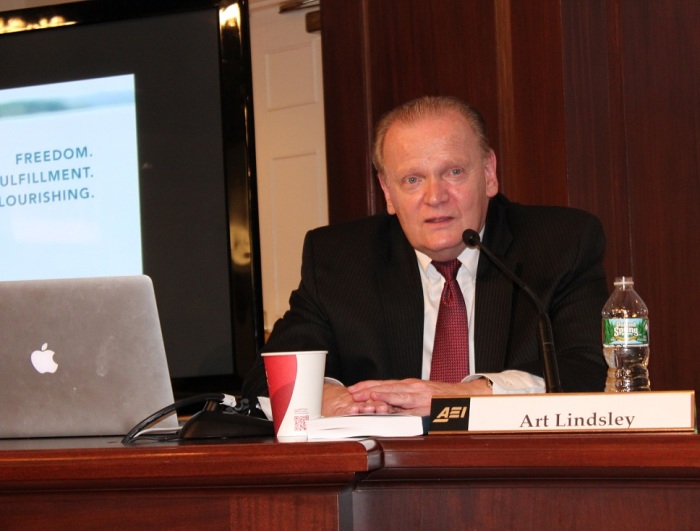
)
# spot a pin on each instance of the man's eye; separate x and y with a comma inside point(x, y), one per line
point(456, 171)
point(411, 180)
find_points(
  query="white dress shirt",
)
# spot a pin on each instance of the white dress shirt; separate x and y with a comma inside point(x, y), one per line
point(502, 383)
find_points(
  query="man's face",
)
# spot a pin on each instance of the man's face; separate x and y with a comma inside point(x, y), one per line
point(438, 182)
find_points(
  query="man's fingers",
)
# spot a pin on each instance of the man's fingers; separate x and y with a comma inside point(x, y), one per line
point(396, 399)
point(368, 384)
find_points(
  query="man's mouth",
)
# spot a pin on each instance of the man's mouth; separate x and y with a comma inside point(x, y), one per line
point(441, 219)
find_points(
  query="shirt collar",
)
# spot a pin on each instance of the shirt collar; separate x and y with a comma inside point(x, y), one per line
point(469, 258)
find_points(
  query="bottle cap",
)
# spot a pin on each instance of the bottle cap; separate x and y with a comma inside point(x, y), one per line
point(624, 281)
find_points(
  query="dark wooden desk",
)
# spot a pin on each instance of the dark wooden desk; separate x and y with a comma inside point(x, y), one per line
point(99, 484)
point(438, 482)
point(565, 481)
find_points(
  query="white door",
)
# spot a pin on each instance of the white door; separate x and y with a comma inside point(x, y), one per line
point(290, 145)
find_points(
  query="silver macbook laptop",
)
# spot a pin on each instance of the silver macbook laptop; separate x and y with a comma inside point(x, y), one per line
point(80, 357)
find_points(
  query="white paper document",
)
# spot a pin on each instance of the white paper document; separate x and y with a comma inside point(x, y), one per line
point(349, 426)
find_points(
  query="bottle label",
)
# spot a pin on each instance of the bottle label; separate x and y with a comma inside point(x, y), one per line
point(630, 332)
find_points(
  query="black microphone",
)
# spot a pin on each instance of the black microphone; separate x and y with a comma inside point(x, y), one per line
point(544, 328)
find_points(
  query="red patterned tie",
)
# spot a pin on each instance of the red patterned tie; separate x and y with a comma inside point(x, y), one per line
point(451, 347)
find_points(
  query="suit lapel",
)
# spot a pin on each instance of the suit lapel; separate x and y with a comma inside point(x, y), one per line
point(401, 298)
point(494, 293)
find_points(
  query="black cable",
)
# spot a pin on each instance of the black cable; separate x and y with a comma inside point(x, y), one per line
point(158, 415)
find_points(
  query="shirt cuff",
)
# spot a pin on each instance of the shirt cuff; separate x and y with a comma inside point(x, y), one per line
point(511, 382)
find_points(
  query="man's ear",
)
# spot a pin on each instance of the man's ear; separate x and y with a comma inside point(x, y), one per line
point(387, 195)
point(490, 174)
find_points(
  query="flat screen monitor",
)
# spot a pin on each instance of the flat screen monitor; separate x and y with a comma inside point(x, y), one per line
point(126, 147)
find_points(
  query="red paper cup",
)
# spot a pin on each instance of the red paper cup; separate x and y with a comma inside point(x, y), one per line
point(295, 382)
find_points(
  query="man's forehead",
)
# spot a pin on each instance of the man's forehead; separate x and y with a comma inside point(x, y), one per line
point(430, 139)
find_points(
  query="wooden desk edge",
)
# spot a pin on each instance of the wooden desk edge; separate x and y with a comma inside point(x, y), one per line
point(656, 455)
point(154, 466)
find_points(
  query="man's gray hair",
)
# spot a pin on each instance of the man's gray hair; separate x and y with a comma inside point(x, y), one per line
point(427, 107)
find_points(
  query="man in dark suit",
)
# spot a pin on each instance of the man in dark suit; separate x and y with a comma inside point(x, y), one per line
point(370, 291)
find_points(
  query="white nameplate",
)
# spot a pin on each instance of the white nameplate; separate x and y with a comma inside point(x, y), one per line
point(559, 412)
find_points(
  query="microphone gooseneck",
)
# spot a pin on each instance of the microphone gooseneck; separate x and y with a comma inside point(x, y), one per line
point(544, 329)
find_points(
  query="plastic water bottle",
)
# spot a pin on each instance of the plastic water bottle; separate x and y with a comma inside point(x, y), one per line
point(626, 339)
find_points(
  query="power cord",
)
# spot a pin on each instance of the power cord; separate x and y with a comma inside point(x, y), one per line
point(211, 401)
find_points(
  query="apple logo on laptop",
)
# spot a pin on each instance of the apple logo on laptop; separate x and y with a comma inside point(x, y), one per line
point(43, 360)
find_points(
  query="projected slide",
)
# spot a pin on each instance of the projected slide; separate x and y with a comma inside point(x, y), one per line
point(69, 188)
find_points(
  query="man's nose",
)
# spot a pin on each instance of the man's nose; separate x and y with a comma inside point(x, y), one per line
point(436, 190)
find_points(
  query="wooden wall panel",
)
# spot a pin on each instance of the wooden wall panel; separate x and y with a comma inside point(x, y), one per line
point(536, 172)
point(378, 54)
point(632, 136)
point(347, 120)
point(593, 104)
point(595, 131)
point(661, 73)
point(445, 47)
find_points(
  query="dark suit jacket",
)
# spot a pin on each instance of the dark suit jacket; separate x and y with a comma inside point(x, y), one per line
point(361, 298)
